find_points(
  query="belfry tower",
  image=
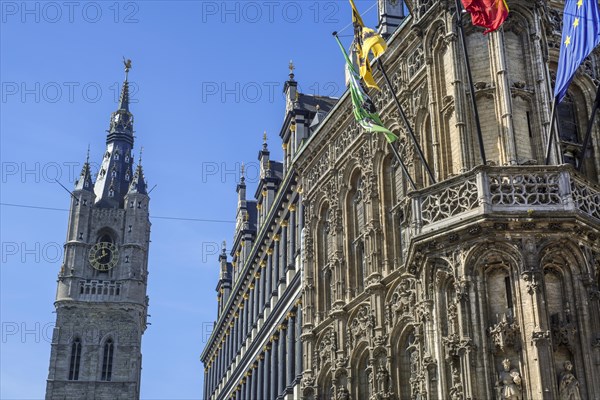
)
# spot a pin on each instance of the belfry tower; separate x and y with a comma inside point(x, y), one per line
point(101, 303)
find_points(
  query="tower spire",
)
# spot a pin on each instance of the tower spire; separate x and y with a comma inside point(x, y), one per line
point(116, 170)
point(124, 98)
point(121, 121)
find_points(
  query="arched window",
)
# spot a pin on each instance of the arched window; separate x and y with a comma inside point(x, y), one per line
point(105, 237)
point(75, 360)
point(568, 130)
point(359, 216)
point(326, 290)
point(323, 268)
point(363, 377)
point(499, 283)
point(326, 389)
point(107, 360)
point(391, 212)
point(324, 237)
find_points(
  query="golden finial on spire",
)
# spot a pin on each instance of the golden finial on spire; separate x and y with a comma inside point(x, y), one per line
point(292, 68)
point(265, 137)
point(242, 169)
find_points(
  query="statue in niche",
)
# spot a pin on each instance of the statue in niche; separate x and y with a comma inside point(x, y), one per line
point(382, 379)
point(568, 386)
point(508, 385)
point(404, 298)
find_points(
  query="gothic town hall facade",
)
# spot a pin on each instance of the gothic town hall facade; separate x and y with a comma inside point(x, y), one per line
point(344, 283)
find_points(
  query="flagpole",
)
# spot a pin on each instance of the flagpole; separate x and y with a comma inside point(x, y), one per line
point(551, 131)
point(394, 150)
point(470, 79)
point(403, 166)
point(588, 133)
point(405, 120)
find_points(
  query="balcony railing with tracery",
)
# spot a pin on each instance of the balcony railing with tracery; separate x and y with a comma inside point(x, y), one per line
point(510, 191)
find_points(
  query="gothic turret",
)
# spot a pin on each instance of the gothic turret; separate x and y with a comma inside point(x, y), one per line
point(224, 285)
point(391, 15)
point(114, 175)
point(138, 183)
point(290, 89)
point(85, 178)
point(241, 191)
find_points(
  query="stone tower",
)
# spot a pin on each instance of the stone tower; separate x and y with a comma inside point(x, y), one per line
point(101, 303)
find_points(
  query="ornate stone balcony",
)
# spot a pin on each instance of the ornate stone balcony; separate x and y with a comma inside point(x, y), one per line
point(509, 192)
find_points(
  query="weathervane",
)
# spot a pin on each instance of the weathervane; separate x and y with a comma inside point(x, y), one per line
point(127, 63)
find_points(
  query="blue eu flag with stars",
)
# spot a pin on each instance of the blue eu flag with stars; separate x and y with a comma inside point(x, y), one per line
point(580, 35)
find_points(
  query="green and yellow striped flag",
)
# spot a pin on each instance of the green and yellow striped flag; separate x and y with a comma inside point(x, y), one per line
point(364, 109)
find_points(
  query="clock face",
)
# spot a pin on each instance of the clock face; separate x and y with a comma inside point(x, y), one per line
point(104, 256)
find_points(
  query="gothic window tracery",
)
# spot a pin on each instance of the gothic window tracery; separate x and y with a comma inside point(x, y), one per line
point(358, 246)
point(75, 360)
point(560, 312)
point(107, 360)
point(392, 193)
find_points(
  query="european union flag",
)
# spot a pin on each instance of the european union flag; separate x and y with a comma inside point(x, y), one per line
point(581, 34)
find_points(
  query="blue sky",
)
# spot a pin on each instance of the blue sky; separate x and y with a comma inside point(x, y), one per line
point(208, 81)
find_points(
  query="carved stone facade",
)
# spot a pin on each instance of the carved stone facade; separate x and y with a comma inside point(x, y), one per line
point(485, 284)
